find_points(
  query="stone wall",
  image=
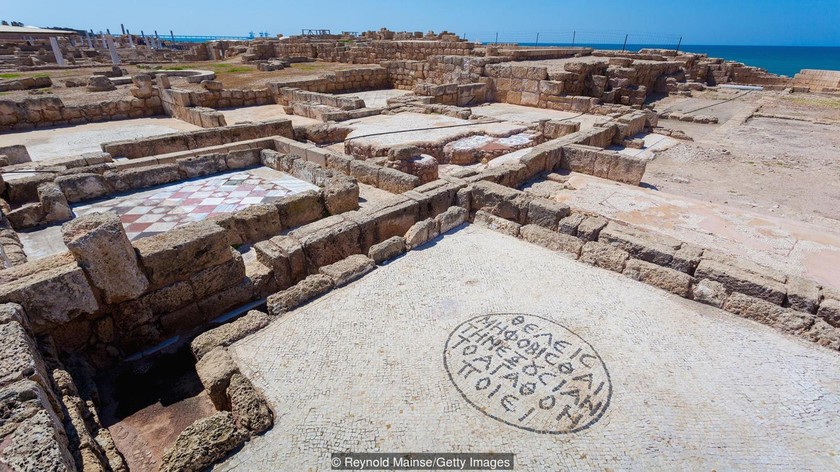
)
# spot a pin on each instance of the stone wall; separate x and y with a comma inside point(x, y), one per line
point(818, 80)
point(140, 147)
point(454, 94)
point(340, 81)
point(372, 52)
point(33, 433)
point(51, 111)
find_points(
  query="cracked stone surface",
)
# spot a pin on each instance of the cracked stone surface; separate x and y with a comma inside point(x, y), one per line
point(364, 369)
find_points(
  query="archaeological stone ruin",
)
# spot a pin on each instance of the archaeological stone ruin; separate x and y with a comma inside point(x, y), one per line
point(256, 254)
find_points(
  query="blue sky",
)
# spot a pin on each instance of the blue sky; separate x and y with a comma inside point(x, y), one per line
point(737, 22)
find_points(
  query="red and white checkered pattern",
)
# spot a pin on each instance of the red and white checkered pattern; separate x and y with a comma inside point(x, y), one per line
point(173, 205)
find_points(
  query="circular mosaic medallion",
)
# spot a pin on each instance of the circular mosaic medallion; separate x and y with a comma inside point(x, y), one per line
point(528, 372)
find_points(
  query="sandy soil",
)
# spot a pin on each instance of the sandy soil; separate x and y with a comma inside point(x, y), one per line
point(810, 107)
point(785, 167)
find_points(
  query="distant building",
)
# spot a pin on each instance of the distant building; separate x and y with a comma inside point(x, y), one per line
point(27, 32)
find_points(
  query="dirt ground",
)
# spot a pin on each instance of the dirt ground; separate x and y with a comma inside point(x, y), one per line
point(785, 167)
point(821, 108)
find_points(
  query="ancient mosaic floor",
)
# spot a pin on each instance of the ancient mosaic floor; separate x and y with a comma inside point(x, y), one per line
point(166, 207)
point(579, 368)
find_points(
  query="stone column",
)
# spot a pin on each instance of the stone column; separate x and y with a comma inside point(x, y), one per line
point(59, 59)
point(99, 244)
point(115, 58)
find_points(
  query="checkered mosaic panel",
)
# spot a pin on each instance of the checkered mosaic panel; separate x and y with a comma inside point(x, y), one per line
point(186, 202)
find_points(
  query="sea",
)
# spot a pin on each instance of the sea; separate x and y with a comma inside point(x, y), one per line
point(782, 60)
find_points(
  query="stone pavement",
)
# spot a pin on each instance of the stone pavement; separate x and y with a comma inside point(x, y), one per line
point(62, 141)
point(596, 371)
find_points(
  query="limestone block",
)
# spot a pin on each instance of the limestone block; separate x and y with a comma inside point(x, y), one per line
point(549, 239)
point(307, 289)
point(215, 370)
point(19, 357)
point(365, 172)
point(756, 309)
point(393, 219)
point(78, 187)
point(387, 250)
point(272, 254)
point(177, 254)
point(340, 163)
point(16, 153)
point(198, 166)
point(591, 227)
point(569, 225)
point(52, 296)
point(218, 277)
point(262, 278)
point(328, 240)
point(100, 83)
point(802, 294)
point(169, 298)
point(450, 219)
point(54, 203)
point(12, 312)
point(220, 303)
point(149, 176)
point(203, 443)
point(33, 437)
point(671, 280)
point(830, 311)
point(496, 223)
point(341, 195)
point(824, 334)
point(744, 264)
point(710, 292)
point(212, 85)
point(249, 408)
point(394, 181)
point(255, 223)
point(686, 258)
point(404, 152)
point(25, 189)
point(300, 209)
point(604, 255)
point(499, 200)
point(546, 213)
point(143, 87)
point(162, 81)
point(99, 244)
point(228, 333)
point(651, 247)
point(420, 233)
point(348, 269)
point(242, 158)
point(26, 216)
point(737, 279)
